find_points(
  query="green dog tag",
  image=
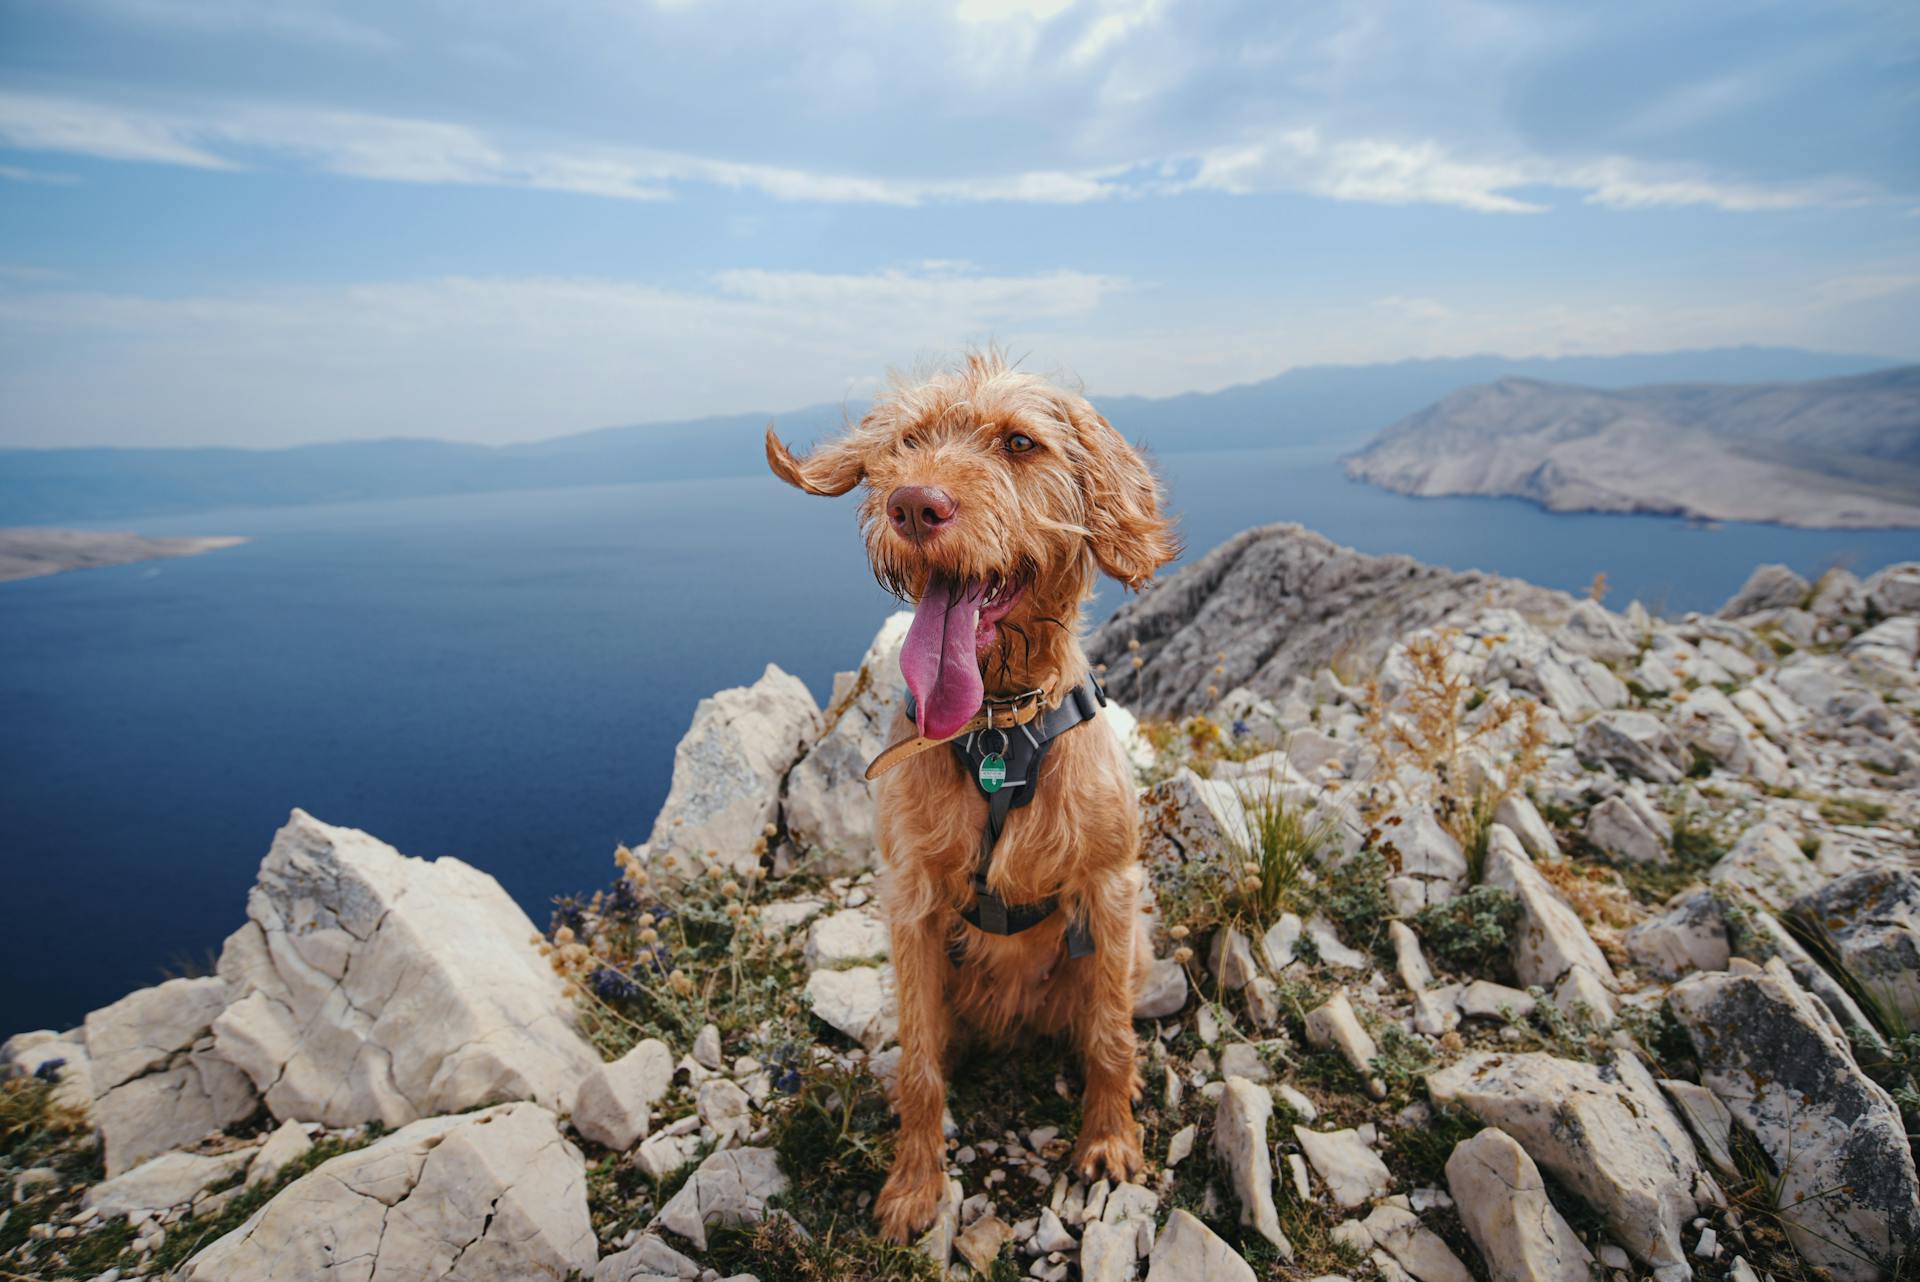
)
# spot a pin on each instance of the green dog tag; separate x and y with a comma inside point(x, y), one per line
point(993, 772)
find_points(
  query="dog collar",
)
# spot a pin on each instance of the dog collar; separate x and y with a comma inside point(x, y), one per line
point(994, 714)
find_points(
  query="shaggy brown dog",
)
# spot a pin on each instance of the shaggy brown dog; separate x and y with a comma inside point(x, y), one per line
point(993, 499)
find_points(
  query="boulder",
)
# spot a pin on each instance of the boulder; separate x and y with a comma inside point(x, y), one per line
point(648, 1259)
point(1503, 1202)
point(1593, 630)
point(730, 1189)
point(499, 1194)
point(858, 1001)
point(1625, 831)
point(1189, 1251)
point(1708, 1119)
point(287, 1145)
point(1769, 587)
point(1163, 992)
point(1602, 1130)
point(612, 1106)
point(1396, 1230)
point(368, 986)
point(1871, 920)
point(727, 771)
point(1710, 722)
point(843, 938)
point(1637, 744)
point(1520, 816)
point(1838, 594)
point(1884, 654)
point(1353, 1172)
point(1691, 935)
point(1240, 1140)
point(1896, 589)
point(1769, 865)
point(1552, 949)
point(60, 1058)
point(157, 1081)
point(1770, 1054)
point(828, 803)
point(170, 1180)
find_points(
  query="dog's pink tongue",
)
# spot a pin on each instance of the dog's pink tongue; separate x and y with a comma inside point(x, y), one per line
point(938, 658)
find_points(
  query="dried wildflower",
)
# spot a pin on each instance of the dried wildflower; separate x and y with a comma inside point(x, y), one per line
point(1133, 643)
point(1249, 868)
point(1179, 932)
point(564, 935)
point(1183, 954)
point(1138, 663)
point(731, 890)
point(733, 910)
point(715, 872)
point(680, 982)
point(771, 830)
point(649, 937)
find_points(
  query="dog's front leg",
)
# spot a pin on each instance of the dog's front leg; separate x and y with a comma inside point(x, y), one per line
point(918, 1178)
point(1109, 1143)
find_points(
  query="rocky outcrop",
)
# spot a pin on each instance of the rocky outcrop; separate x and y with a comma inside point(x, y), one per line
point(497, 1194)
point(1240, 1139)
point(727, 772)
point(1552, 949)
point(729, 1189)
point(367, 986)
point(1603, 1130)
point(1188, 1251)
point(828, 802)
point(1848, 1192)
point(1811, 454)
point(1279, 602)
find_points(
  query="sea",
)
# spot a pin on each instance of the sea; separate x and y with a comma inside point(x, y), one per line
point(503, 677)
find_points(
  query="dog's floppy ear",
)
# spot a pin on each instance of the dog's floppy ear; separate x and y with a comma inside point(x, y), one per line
point(833, 468)
point(1126, 533)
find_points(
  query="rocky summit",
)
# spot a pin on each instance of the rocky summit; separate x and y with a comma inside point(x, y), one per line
point(1498, 935)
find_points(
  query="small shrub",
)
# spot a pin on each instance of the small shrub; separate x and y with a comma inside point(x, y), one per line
point(1282, 841)
point(1419, 1153)
point(1354, 896)
point(1472, 933)
point(1401, 1061)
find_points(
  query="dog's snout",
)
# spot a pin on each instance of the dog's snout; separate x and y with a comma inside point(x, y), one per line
point(918, 511)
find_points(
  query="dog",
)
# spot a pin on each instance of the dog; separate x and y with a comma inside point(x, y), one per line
point(993, 499)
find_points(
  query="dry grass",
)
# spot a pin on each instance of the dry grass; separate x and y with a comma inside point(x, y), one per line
point(1438, 718)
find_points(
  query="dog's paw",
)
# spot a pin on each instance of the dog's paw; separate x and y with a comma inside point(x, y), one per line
point(907, 1205)
point(1113, 1155)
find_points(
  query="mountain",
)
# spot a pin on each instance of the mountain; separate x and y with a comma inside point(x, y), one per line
point(1834, 453)
point(1314, 405)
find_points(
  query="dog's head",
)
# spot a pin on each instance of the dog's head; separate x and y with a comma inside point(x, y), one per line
point(991, 499)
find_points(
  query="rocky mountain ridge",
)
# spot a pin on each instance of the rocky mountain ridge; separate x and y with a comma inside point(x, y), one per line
point(1840, 453)
point(1533, 940)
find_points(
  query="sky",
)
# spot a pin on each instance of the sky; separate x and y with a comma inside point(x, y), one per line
point(265, 222)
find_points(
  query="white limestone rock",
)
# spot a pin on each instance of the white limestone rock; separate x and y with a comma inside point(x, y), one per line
point(1603, 1130)
point(1769, 587)
point(1230, 958)
point(1710, 722)
point(828, 802)
point(1624, 831)
point(1334, 1025)
point(1353, 1172)
point(1484, 999)
point(1708, 1119)
point(1788, 1077)
point(1691, 935)
point(613, 1104)
point(1896, 589)
point(1163, 991)
point(172, 1179)
point(1189, 1251)
point(498, 1195)
point(1416, 1248)
point(726, 1110)
point(937, 1242)
point(368, 986)
point(157, 1081)
point(1240, 1140)
point(1593, 630)
point(844, 938)
point(1522, 818)
point(648, 1259)
point(1503, 1202)
point(57, 1057)
point(1871, 920)
point(287, 1145)
point(1637, 744)
point(1551, 942)
point(730, 1189)
point(859, 1001)
point(1768, 864)
point(727, 771)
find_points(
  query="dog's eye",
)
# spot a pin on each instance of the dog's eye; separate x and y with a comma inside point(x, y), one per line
point(910, 443)
point(1019, 443)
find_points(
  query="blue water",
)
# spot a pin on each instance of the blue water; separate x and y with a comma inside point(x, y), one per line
point(503, 677)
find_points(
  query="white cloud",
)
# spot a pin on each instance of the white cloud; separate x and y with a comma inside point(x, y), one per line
point(487, 359)
point(396, 149)
point(39, 177)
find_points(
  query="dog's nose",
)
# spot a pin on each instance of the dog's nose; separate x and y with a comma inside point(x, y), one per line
point(918, 511)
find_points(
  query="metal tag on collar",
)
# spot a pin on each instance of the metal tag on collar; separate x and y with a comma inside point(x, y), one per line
point(993, 768)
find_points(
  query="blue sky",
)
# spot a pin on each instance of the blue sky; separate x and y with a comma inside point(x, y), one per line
point(261, 222)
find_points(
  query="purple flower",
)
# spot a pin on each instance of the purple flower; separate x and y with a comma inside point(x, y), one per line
point(612, 986)
point(49, 1071)
point(1240, 728)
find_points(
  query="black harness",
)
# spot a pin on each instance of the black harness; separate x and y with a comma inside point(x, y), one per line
point(1022, 749)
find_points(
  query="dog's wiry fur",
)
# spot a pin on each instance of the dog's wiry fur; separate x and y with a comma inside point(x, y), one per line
point(1080, 502)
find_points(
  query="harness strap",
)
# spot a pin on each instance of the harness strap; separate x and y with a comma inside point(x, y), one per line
point(992, 718)
point(1023, 743)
